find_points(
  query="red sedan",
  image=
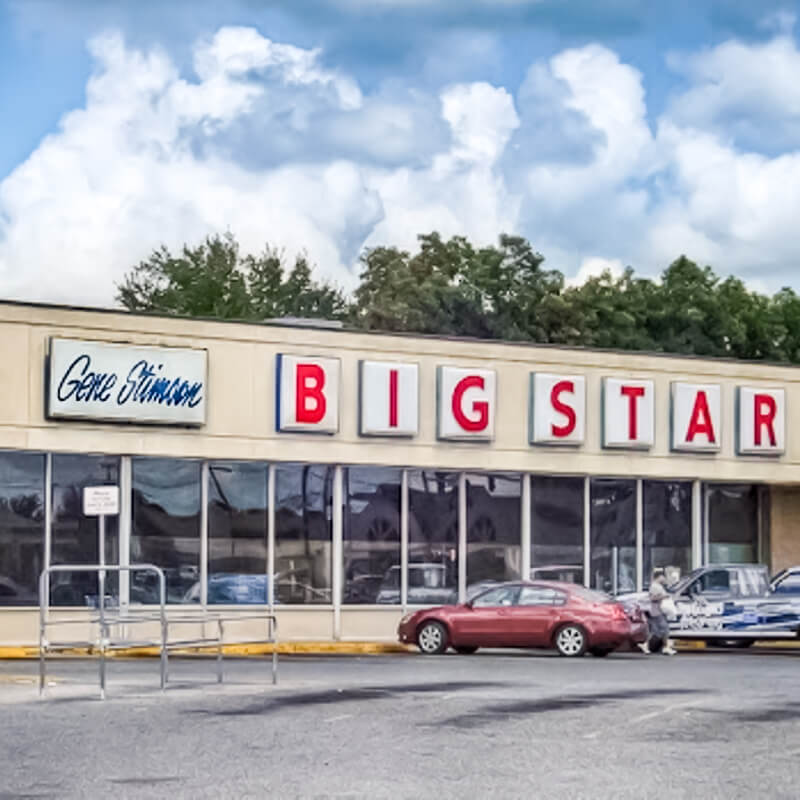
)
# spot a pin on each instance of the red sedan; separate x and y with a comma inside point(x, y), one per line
point(546, 614)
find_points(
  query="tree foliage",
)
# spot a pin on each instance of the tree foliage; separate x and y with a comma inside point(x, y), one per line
point(504, 291)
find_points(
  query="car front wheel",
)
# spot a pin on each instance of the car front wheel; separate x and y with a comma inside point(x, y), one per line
point(570, 640)
point(432, 638)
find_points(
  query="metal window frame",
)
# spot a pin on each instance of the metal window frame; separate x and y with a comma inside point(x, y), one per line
point(337, 548)
point(526, 526)
point(124, 524)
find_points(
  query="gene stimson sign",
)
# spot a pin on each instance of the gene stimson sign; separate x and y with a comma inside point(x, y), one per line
point(124, 383)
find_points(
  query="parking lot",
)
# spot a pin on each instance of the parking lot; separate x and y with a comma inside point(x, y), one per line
point(700, 725)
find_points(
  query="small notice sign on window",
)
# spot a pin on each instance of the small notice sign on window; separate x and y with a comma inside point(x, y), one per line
point(100, 501)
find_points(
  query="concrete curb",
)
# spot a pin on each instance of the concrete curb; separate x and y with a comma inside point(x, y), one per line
point(252, 649)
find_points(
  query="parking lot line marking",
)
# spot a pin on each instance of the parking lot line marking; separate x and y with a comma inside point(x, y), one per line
point(650, 715)
point(339, 718)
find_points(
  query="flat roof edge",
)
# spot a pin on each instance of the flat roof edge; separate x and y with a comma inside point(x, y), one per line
point(313, 326)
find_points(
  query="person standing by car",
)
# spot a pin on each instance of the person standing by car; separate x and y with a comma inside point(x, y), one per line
point(660, 606)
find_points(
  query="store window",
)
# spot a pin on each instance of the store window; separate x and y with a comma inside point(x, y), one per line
point(557, 528)
point(667, 528)
point(75, 537)
point(732, 523)
point(613, 535)
point(237, 533)
point(432, 537)
point(166, 528)
point(303, 540)
point(371, 534)
point(21, 527)
point(493, 529)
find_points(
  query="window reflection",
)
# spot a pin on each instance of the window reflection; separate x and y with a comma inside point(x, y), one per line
point(237, 533)
point(432, 537)
point(732, 523)
point(303, 544)
point(372, 535)
point(74, 537)
point(493, 529)
point(557, 528)
point(21, 527)
point(613, 535)
point(667, 527)
point(166, 527)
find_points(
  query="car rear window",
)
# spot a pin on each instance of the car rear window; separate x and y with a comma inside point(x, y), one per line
point(591, 595)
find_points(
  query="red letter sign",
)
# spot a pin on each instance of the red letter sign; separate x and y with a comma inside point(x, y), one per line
point(569, 426)
point(393, 398)
point(480, 407)
point(307, 393)
point(466, 399)
point(765, 408)
point(698, 426)
point(309, 397)
point(633, 393)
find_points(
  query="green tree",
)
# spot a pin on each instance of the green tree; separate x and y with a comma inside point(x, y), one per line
point(450, 287)
point(214, 280)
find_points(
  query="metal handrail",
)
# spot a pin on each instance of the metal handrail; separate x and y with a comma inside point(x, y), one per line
point(125, 616)
point(100, 569)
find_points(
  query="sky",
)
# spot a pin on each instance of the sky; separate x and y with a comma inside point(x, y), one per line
point(610, 134)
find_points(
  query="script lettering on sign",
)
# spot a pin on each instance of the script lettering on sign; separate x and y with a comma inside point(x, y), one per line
point(557, 409)
point(696, 417)
point(307, 394)
point(389, 399)
point(126, 383)
point(761, 426)
point(628, 413)
point(466, 403)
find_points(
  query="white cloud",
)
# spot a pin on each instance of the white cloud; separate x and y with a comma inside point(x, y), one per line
point(265, 140)
point(594, 267)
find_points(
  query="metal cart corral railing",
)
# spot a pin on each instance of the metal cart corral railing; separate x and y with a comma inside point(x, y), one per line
point(107, 619)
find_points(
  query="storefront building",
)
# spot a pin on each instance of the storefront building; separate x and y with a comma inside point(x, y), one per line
point(341, 477)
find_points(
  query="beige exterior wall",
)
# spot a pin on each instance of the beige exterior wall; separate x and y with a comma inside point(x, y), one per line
point(241, 399)
point(241, 419)
point(784, 526)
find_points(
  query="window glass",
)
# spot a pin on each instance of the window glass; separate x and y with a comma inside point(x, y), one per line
point(372, 535)
point(667, 527)
point(165, 529)
point(237, 533)
point(502, 596)
point(791, 583)
point(493, 527)
point(21, 527)
point(718, 580)
point(613, 535)
point(557, 528)
point(432, 537)
point(540, 596)
point(74, 537)
point(303, 543)
point(732, 524)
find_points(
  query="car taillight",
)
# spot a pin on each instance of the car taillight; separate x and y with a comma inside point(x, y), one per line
point(618, 612)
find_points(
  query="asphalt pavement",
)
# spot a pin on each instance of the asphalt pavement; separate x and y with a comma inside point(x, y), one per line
point(697, 725)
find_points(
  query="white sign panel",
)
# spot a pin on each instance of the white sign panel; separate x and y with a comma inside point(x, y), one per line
point(558, 409)
point(466, 399)
point(100, 501)
point(696, 417)
point(389, 399)
point(762, 421)
point(308, 394)
point(628, 413)
point(126, 383)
